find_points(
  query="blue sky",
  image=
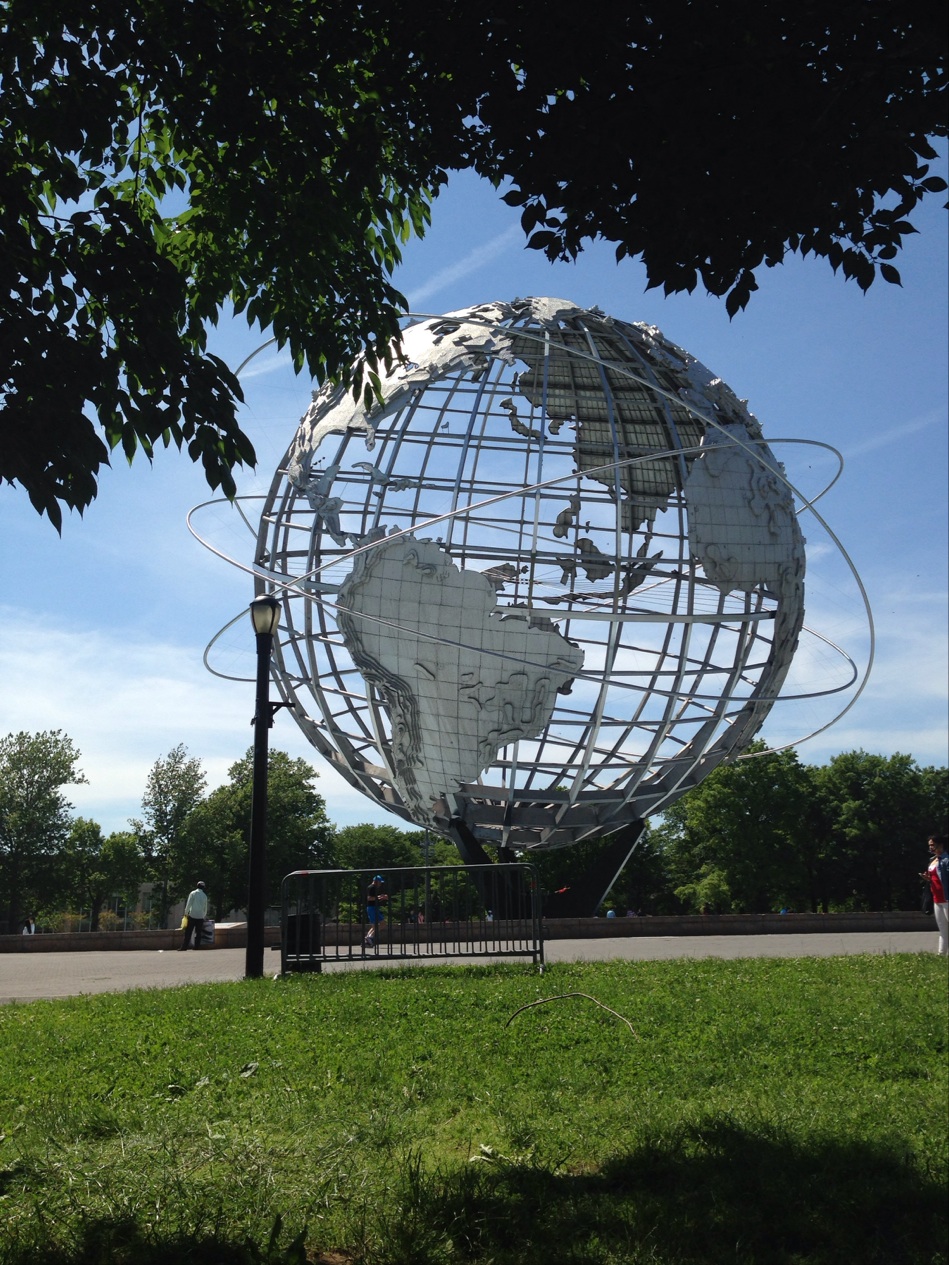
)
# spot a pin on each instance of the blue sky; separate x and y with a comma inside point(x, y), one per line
point(105, 628)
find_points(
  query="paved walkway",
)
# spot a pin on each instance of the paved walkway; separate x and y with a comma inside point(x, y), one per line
point(32, 976)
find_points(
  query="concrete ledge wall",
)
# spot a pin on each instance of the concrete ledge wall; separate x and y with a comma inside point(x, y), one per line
point(735, 925)
point(234, 936)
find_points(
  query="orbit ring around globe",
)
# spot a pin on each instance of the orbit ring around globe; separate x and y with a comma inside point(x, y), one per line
point(540, 584)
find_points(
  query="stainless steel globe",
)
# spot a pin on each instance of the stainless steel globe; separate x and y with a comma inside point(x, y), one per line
point(542, 586)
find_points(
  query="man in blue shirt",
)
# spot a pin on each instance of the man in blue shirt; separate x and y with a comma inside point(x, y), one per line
point(375, 909)
point(196, 910)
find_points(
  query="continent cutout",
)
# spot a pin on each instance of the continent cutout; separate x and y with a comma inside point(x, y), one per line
point(458, 679)
point(742, 525)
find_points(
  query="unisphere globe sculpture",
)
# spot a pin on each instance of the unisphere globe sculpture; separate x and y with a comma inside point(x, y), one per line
point(543, 588)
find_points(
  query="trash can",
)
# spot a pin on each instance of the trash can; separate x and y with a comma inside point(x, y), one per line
point(301, 943)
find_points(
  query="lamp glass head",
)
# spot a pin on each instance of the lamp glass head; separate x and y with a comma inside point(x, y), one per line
point(265, 614)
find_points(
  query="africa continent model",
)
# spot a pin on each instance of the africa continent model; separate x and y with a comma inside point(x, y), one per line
point(541, 585)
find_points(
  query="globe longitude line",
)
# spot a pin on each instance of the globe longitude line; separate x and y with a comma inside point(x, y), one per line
point(700, 642)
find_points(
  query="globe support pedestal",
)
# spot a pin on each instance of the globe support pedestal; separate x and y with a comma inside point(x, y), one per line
point(584, 897)
point(472, 853)
point(468, 846)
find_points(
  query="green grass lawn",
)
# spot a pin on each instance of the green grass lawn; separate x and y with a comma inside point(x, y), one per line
point(766, 1111)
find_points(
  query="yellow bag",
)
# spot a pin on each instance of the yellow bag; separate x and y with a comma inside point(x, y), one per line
point(184, 923)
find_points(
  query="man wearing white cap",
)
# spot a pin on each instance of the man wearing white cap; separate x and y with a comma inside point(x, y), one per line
point(196, 910)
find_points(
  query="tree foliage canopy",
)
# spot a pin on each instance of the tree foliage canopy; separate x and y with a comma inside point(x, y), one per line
point(90, 870)
point(160, 161)
point(755, 835)
point(768, 832)
point(175, 784)
point(215, 840)
point(34, 812)
point(365, 846)
point(173, 790)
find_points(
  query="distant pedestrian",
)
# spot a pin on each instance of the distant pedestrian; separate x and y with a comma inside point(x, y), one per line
point(29, 926)
point(938, 876)
point(376, 898)
point(196, 910)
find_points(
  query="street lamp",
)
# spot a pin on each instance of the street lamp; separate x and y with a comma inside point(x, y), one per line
point(265, 616)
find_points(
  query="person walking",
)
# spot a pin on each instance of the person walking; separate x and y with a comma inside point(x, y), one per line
point(196, 910)
point(376, 898)
point(938, 875)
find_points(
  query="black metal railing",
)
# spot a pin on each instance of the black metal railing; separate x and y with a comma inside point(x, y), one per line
point(427, 912)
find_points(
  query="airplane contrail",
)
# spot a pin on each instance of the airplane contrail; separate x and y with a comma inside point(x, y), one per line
point(469, 263)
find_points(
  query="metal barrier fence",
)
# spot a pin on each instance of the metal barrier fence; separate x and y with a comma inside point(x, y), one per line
point(427, 912)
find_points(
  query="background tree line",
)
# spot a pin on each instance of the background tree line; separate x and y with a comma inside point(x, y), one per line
point(52, 862)
point(764, 833)
point(768, 833)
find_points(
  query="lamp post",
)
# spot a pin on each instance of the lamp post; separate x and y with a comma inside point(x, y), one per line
point(265, 616)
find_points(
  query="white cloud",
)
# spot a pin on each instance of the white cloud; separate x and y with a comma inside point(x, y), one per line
point(125, 703)
point(911, 662)
point(904, 705)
